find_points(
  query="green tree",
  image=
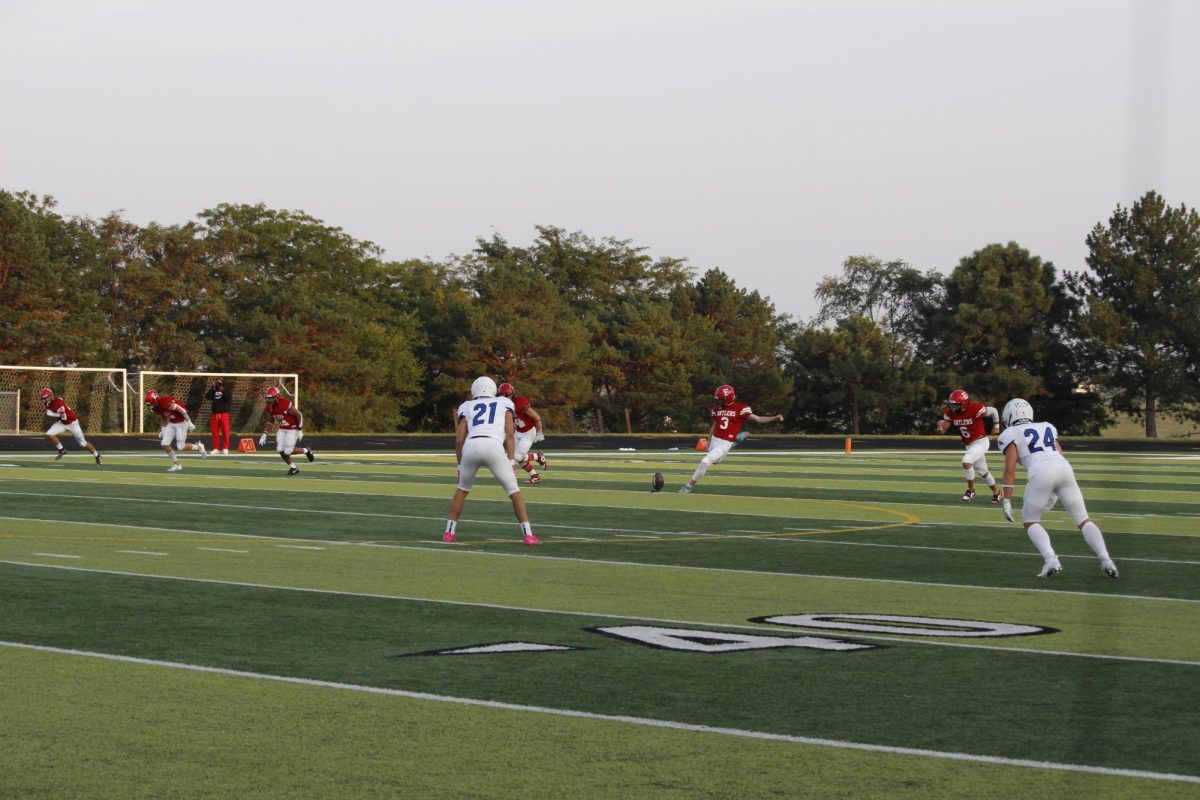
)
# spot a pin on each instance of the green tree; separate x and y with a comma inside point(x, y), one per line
point(737, 337)
point(306, 297)
point(855, 378)
point(1143, 300)
point(49, 309)
point(892, 294)
point(1005, 329)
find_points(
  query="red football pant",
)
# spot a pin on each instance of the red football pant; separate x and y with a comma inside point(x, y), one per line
point(220, 425)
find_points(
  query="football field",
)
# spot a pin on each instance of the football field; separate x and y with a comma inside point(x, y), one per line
point(807, 624)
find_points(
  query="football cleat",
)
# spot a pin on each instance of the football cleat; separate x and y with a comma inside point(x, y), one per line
point(62, 451)
point(308, 453)
point(1109, 568)
point(293, 470)
point(99, 459)
point(541, 459)
point(176, 467)
point(200, 447)
point(530, 539)
point(449, 537)
point(535, 479)
point(1050, 569)
point(996, 497)
point(685, 489)
point(969, 495)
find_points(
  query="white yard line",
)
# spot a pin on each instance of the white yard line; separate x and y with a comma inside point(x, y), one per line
point(622, 719)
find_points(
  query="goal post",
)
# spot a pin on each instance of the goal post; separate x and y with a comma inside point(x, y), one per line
point(247, 406)
point(96, 394)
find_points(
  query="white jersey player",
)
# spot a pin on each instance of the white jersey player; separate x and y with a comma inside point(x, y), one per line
point(1036, 446)
point(483, 428)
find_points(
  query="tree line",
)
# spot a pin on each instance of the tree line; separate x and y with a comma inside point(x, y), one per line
point(601, 335)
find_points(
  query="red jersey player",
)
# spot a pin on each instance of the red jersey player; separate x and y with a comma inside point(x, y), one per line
point(967, 418)
point(728, 416)
point(527, 430)
point(289, 424)
point(175, 426)
point(65, 421)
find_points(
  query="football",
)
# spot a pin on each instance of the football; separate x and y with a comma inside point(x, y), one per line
point(656, 483)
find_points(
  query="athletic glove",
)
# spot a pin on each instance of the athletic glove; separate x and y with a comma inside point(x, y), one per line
point(262, 440)
point(1006, 506)
point(540, 436)
point(191, 425)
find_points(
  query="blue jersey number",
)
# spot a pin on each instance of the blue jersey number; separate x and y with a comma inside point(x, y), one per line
point(1032, 435)
point(484, 408)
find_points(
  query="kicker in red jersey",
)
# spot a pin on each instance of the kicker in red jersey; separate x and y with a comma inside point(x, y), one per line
point(969, 422)
point(727, 420)
point(58, 406)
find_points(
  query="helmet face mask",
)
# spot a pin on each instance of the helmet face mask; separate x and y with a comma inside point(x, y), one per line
point(958, 399)
point(47, 395)
point(272, 392)
point(1016, 412)
point(483, 387)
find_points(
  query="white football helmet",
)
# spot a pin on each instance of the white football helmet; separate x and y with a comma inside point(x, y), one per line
point(483, 387)
point(1017, 411)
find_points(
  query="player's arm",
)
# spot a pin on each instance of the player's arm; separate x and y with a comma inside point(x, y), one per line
point(994, 416)
point(1010, 480)
point(943, 424)
point(765, 420)
point(510, 444)
point(538, 425)
point(460, 437)
point(178, 409)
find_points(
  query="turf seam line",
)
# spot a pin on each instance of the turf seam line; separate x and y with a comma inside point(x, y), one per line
point(644, 721)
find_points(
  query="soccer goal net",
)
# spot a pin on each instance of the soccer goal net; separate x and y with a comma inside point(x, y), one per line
point(96, 394)
point(245, 390)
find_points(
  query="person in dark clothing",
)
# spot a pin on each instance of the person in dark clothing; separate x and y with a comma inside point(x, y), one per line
point(219, 417)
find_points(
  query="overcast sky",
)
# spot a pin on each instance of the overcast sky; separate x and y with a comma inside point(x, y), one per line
point(769, 139)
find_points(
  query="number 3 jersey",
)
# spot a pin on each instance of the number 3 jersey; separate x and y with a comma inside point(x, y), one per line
point(727, 420)
point(1035, 443)
point(485, 416)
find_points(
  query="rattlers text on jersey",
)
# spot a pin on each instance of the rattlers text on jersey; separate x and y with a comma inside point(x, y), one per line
point(727, 420)
point(281, 413)
point(969, 422)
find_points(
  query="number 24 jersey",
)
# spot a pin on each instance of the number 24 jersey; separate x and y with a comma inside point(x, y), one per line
point(1035, 443)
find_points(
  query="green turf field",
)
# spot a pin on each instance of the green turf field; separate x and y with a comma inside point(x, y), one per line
point(806, 624)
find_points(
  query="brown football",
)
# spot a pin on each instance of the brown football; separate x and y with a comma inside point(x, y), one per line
point(656, 484)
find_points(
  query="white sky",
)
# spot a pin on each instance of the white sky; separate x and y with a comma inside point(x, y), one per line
point(771, 139)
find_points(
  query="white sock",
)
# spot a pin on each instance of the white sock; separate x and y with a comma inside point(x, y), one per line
point(1095, 539)
point(451, 524)
point(1041, 540)
point(526, 529)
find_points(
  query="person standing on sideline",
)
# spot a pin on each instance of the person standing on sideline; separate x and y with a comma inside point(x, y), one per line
point(289, 428)
point(175, 427)
point(528, 431)
point(483, 437)
point(1036, 446)
point(65, 421)
point(728, 417)
point(966, 417)
point(218, 418)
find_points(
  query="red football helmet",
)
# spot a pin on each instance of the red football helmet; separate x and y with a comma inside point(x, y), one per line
point(272, 392)
point(958, 399)
point(47, 396)
point(151, 397)
point(725, 394)
point(506, 390)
